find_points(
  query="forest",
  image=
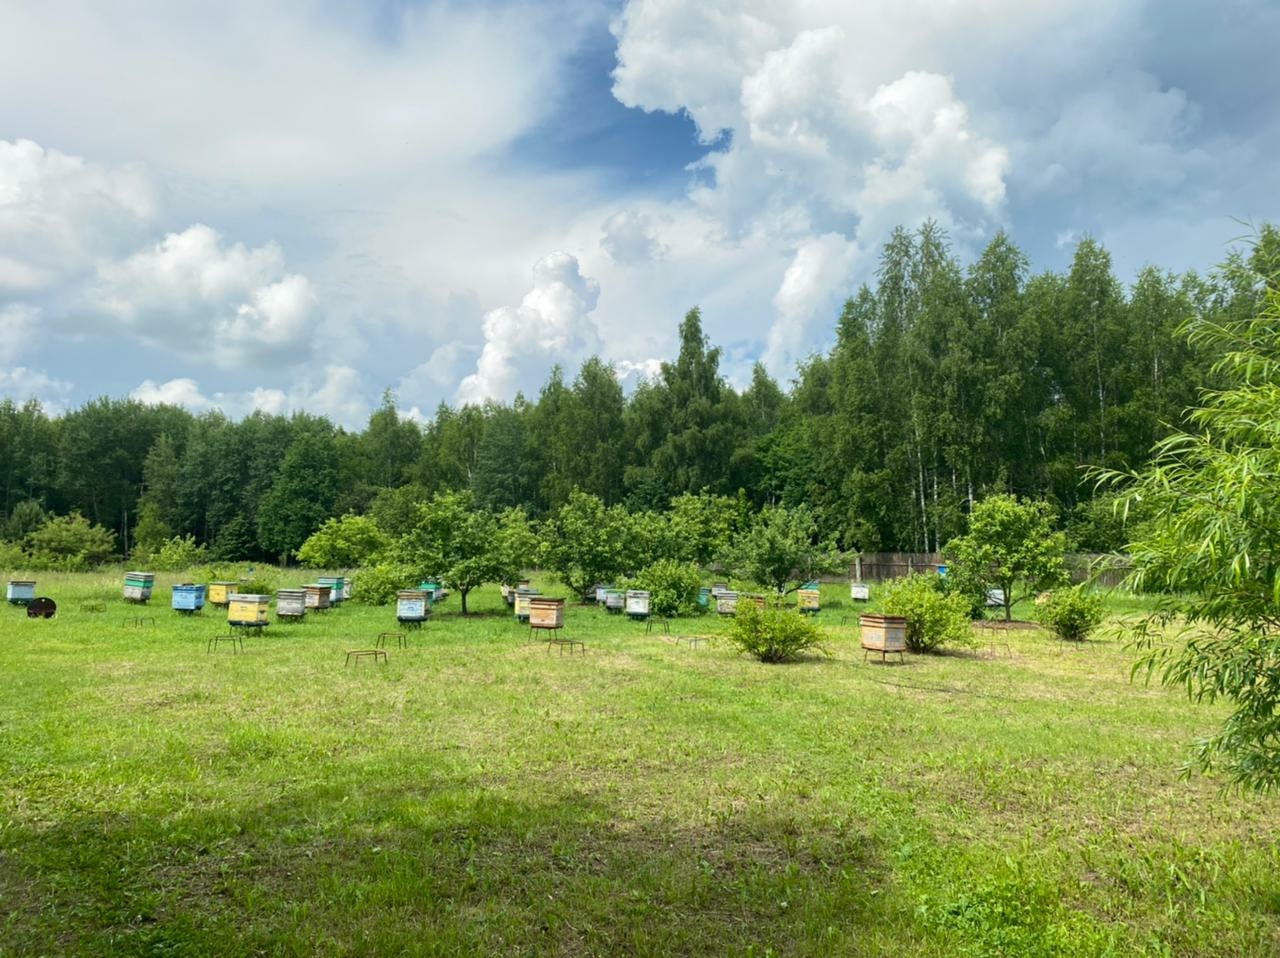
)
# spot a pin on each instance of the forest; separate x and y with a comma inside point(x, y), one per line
point(946, 383)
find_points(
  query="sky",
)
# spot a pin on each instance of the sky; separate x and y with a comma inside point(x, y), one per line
point(300, 205)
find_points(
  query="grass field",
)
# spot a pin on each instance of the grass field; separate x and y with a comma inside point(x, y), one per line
point(481, 794)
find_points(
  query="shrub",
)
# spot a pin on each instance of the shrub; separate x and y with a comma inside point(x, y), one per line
point(673, 587)
point(1070, 613)
point(934, 617)
point(773, 634)
point(177, 553)
point(342, 543)
point(378, 585)
point(69, 544)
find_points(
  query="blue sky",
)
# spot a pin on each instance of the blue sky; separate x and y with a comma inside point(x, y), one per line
point(298, 205)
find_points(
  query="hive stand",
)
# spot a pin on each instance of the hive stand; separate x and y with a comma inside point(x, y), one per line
point(237, 642)
point(402, 642)
point(355, 655)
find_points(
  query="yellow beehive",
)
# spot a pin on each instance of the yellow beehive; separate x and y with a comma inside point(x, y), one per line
point(810, 600)
point(246, 609)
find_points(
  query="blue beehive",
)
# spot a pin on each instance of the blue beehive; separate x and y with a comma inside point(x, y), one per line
point(188, 597)
point(21, 591)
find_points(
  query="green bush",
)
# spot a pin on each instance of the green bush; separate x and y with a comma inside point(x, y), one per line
point(378, 584)
point(343, 544)
point(934, 616)
point(673, 587)
point(1070, 613)
point(177, 553)
point(774, 634)
point(69, 544)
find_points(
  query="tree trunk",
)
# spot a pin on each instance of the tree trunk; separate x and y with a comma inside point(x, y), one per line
point(463, 592)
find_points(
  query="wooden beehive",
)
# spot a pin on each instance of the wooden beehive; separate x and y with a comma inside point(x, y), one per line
point(219, 592)
point(291, 603)
point(546, 613)
point(318, 596)
point(413, 605)
point(883, 633)
point(600, 590)
point(247, 609)
point(523, 598)
point(21, 591)
point(188, 597)
point(637, 603)
point(704, 597)
point(335, 584)
point(726, 602)
point(137, 586)
point(859, 591)
point(810, 600)
point(615, 601)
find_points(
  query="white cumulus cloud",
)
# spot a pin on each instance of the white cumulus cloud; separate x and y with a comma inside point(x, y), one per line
point(339, 394)
point(552, 324)
point(237, 302)
point(59, 213)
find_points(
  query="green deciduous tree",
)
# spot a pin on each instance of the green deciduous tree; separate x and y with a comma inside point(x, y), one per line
point(585, 542)
point(1011, 545)
point(343, 543)
point(466, 546)
point(300, 497)
point(1211, 546)
point(783, 546)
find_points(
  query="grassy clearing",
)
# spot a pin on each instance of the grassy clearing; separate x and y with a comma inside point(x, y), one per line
point(479, 794)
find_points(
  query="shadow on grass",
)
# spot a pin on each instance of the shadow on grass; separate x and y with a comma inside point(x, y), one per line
point(440, 870)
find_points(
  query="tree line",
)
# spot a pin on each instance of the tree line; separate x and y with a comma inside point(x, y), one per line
point(946, 383)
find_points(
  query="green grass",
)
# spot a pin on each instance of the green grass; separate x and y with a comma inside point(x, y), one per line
point(479, 794)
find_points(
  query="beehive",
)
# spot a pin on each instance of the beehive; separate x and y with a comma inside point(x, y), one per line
point(883, 633)
point(859, 591)
point(600, 591)
point(726, 602)
point(247, 609)
point(523, 598)
point(614, 601)
point(637, 603)
point(546, 613)
point(318, 596)
point(21, 591)
point(219, 591)
point(188, 597)
point(137, 586)
point(413, 605)
point(335, 584)
point(810, 600)
point(291, 603)
point(704, 597)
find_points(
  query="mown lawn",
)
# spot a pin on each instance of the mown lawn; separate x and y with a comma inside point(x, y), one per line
point(479, 794)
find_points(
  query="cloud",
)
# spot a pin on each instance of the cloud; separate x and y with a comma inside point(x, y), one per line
point(23, 383)
point(60, 213)
point(289, 96)
point(811, 291)
point(18, 323)
point(339, 395)
point(630, 238)
point(176, 392)
point(237, 303)
point(552, 324)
